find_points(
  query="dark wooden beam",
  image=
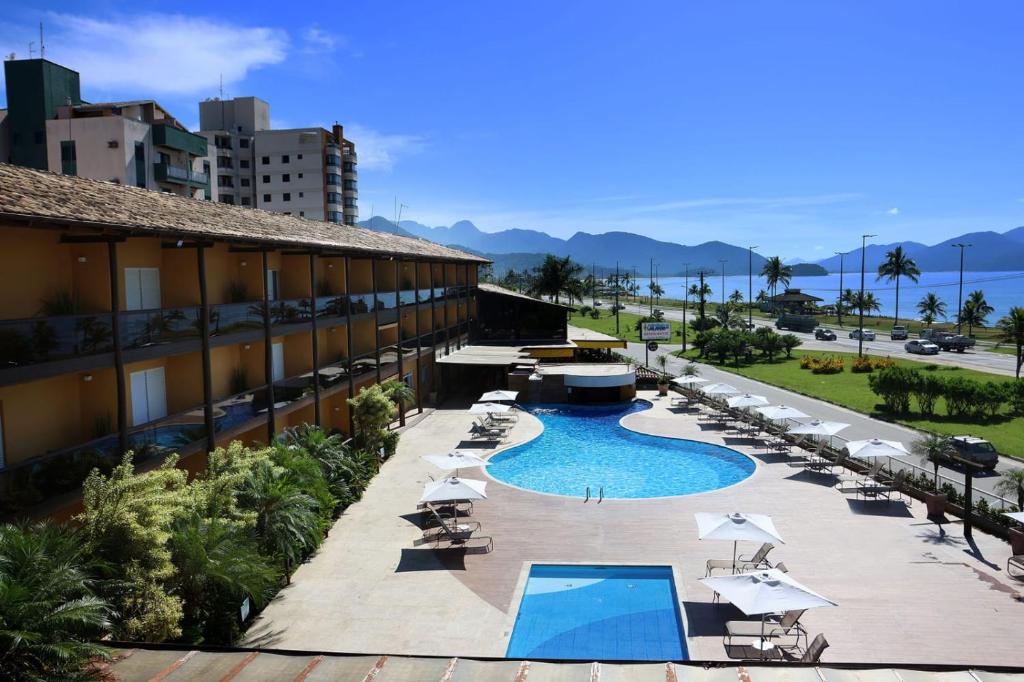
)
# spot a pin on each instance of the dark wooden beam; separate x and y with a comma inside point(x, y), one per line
point(204, 331)
point(348, 340)
point(268, 351)
point(401, 350)
point(419, 342)
point(185, 245)
point(249, 249)
point(90, 238)
point(316, 340)
point(115, 330)
point(376, 316)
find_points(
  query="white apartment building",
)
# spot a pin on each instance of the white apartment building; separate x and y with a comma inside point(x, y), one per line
point(229, 126)
point(136, 143)
point(309, 172)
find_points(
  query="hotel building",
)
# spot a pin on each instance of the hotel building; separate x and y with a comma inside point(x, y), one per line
point(132, 320)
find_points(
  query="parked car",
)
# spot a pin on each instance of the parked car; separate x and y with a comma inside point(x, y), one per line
point(898, 333)
point(823, 334)
point(920, 347)
point(867, 334)
point(947, 340)
point(977, 450)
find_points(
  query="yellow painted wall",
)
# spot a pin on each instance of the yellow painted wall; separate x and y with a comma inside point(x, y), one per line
point(253, 361)
point(41, 416)
point(407, 275)
point(294, 276)
point(333, 344)
point(91, 278)
point(363, 336)
point(179, 277)
point(37, 263)
point(223, 361)
point(334, 411)
point(387, 275)
point(331, 270)
point(388, 335)
point(303, 415)
point(98, 398)
point(361, 280)
point(184, 378)
point(298, 353)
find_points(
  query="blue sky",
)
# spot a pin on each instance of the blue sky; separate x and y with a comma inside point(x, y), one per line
point(793, 125)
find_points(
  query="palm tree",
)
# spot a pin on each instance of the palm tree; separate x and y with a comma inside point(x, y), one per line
point(736, 297)
point(933, 448)
point(976, 310)
point(1011, 330)
point(656, 291)
point(49, 614)
point(287, 519)
point(1012, 483)
point(554, 275)
point(217, 566)
point(776, 272)
point(898, 264)
point(931, 308)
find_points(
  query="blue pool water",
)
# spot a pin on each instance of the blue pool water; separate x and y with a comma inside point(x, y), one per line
point(599, 613)
point(585, 446)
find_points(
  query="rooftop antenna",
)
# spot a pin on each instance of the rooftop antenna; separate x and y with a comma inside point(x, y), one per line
point(31, 49)
point(42, 45)
point(222, 86)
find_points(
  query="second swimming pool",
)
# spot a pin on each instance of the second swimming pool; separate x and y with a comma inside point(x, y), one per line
point(584, 446)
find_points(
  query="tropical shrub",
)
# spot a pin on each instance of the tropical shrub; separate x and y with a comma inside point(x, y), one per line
point(50, 614)
point(828, 365)
point(989, 399)
point(893, 385)
point(862, 365)
point(882, 363)
point(960, 395)
point(372, 412)
point(126, 522)
point(769, 343)
point(789, 342)
point(1015, 395)
point(927, 389)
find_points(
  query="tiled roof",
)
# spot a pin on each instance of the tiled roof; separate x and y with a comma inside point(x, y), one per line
point(42, 197)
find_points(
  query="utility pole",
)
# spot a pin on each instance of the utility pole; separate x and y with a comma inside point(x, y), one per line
point(839, 306)
point(750, 287)
point(701, 273)
point(650, 287)
point(593, 285)
point(960, 298)
point(686, 298)
point(860, 303)
point(616, 297)
point(723, 262)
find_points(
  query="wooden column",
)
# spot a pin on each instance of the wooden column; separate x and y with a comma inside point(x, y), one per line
point(376, 315)
point(419, 341)
point(204, 332)
point(444, 285)
point(268, 351)
point(401, 350)
point(316, 340)
point(115, 330)
point(348, 341)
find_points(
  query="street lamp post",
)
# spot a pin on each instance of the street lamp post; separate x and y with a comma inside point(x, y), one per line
point(750, 287)
point(839, 301)
point(686, 298)
point(616, 297)
point(723, 262)
point(860, 303)
point(960, 298)
point(650, 287)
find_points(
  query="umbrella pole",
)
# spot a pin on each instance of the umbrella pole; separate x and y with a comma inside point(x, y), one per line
point(762, 637)
point(734, 557)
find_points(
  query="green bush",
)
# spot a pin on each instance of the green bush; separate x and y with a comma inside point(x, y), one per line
point(1015, 395)
point(960, 395)
point(989, 399)
point(927, 389)
point(893, 385)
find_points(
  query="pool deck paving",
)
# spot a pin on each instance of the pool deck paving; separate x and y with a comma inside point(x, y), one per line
point(909, 592)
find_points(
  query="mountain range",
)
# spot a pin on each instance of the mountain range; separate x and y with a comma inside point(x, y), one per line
point(518, 249)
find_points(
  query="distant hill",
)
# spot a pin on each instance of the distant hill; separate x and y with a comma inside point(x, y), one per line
point(808, 270)
point(605, 250)
point(989, 251)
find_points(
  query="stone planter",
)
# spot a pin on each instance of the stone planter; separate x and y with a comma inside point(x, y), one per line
point(1016, 542)
point(662, 389)
point(936, 504)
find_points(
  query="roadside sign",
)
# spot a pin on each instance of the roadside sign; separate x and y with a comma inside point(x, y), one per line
point(652, 346)
point(656, 331)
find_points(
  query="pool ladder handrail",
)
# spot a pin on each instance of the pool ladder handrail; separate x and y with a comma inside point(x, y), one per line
point(600, 497)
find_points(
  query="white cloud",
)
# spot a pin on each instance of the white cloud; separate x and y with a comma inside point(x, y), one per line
point(759, 202)
point(161, 53)
point(893, 211)
point(380, 151)
point(318, 41)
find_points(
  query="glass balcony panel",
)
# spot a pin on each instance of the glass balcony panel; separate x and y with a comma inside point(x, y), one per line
point(32, 341)
point(153, 327)
point(228, 318)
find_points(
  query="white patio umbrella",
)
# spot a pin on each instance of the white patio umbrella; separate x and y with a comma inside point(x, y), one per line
point(488, 408)
point(764, 592)
point(817, 427)
point(1016, 516)
point(746, 400)
point(736, 526)
point(875, 447)
point(454, 489)
point(720, 389)
point(689, 380)
point(498, 396)
point(775, 412)
point(456, 460)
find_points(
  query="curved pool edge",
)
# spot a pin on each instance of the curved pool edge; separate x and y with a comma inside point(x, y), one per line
point(650, 406)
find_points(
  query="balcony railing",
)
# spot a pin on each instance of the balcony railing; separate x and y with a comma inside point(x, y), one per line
point(153, 327)
point(32, 341)
point(166, 172)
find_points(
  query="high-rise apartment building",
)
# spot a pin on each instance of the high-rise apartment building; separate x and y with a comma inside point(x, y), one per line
point(137, 143)
point(229, 127)
point(307, 172)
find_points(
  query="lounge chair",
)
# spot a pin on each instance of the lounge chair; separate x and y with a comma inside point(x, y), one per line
point(814, 650)
point(850, 482)
point(1015, 563)
point(758, 560)
point(490, 424)
point(457, 535)
point(478, 431)
point(784, 631)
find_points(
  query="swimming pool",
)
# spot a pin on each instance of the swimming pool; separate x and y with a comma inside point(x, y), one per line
point(584, 446)
point(627, 613)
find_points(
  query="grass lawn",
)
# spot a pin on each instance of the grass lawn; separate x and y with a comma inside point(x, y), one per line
point(627, 326)
point(852, 391)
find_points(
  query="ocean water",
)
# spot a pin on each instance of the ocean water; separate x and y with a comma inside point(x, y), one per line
point(1003, 290)
point(626, 613)
point(584, 446)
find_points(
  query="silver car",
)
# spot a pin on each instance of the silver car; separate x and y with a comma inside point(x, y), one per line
point(921, 347)
point(867, 334)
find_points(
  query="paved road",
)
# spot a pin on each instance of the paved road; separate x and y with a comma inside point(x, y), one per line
point(981, 360)
point(861, 426)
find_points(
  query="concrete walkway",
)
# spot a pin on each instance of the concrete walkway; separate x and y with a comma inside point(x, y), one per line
point(861, 426)
point(907, 591)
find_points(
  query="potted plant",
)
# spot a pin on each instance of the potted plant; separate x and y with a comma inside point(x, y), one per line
point(934, 448)
point(663, 379)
